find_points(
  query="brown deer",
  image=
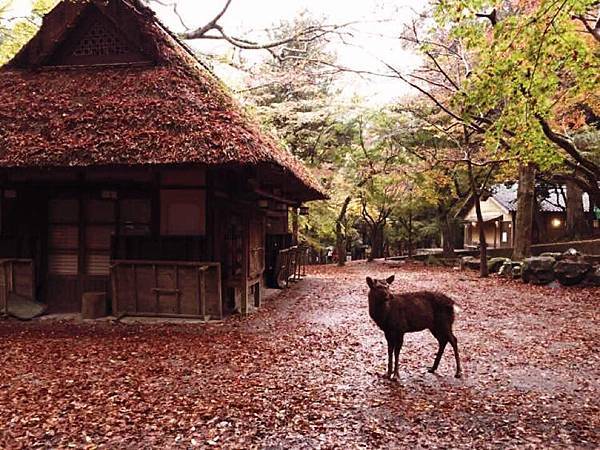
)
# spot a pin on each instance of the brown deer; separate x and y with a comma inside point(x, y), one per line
point(397, 314)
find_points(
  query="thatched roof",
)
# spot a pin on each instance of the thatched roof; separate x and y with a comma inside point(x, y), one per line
point(165, 107)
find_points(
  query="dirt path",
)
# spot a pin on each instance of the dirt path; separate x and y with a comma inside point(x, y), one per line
point(305, 371)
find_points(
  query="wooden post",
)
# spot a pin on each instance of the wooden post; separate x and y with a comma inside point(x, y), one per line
point(245, 265)
point(219, 293)
point(202, 271)
point(176, 270)
point(113, 282)
point(496, 226)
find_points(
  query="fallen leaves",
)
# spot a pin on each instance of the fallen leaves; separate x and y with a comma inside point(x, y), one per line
point(304, 372)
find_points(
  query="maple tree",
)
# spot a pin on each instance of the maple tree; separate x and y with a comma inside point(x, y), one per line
point(536, 72)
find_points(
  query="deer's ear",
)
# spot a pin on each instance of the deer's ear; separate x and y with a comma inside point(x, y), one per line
point(370, 282)
point(391, 279)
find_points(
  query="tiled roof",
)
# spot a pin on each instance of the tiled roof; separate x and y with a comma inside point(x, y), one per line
point(554, 201)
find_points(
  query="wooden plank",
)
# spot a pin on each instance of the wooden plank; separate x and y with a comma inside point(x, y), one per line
point(202, 292)
point(176, 269)
point(135, 286)
point(157, 306)
point(219, 293)
point(4, 287)
point(149, 262)
point(115, 291)
point(197, 293)
point(163, 315)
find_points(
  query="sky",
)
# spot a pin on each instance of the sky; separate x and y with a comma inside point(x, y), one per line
point(374, 35)
point(378, 23)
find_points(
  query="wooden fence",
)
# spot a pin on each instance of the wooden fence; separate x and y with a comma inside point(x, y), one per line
point(291, 265)
point(167, 289)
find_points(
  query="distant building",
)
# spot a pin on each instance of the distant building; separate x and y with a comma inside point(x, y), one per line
point(499, 214)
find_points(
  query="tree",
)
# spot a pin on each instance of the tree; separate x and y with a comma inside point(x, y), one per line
point(16, 31)
point(536, 72)
point(280, 46)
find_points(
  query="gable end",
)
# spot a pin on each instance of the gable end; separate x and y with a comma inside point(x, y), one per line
point(96, 41)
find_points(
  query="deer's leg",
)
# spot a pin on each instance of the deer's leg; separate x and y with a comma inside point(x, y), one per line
point(390, 344)
point(442, 341)
point(397, 349)
point(454, 344)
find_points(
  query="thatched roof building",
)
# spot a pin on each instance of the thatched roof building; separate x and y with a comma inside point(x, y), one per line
point(127, 168)
point(104, 83)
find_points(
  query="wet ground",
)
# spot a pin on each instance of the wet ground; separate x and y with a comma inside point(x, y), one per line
point(305, 372)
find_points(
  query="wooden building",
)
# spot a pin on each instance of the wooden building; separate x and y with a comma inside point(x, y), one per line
point(499, 214)
point(122, 154)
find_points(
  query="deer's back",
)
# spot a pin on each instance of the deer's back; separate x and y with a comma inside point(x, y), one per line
point(416, 311)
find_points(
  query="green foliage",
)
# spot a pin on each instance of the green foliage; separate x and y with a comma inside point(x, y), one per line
point(15, 33)
point(534, 62)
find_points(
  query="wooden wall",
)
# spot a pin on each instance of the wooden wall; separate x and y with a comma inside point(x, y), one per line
point(73, 223)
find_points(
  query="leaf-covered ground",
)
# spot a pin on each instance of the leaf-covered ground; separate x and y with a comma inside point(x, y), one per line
point(305, 372)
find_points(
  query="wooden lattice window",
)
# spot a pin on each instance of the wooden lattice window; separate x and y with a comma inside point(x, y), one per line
point(100, 40)
point(96, 40)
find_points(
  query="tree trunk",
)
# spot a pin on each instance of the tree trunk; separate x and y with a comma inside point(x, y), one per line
point(377, 242)
point(410, 236)
point(447, 236)
point(525, 211)
point(576, 220)
point(340, 236)
point(483, 268)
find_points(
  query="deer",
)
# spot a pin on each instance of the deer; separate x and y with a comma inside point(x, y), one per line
point(397, 314)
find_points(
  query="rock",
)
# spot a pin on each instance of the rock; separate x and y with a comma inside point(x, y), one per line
point(469, 262)
point(556, 255)
point(570, 273)
point(506, 269)
point(593, 277)
point(571, 255)
point(510, 269)
point(594, 260)
point(517, 270)
point(494, 264)
point(538, 270)
point(23, 307)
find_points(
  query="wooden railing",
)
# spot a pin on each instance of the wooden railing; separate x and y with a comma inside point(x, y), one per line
point(291, 265)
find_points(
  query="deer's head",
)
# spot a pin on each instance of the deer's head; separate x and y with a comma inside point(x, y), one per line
point(380, 288)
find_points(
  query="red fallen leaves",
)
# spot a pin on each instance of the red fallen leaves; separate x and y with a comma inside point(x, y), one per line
point(305, 371)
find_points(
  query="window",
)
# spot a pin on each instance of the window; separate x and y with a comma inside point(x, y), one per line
point(183, 212)
point(504, 236)
point(63, 237)
point(99, 229)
